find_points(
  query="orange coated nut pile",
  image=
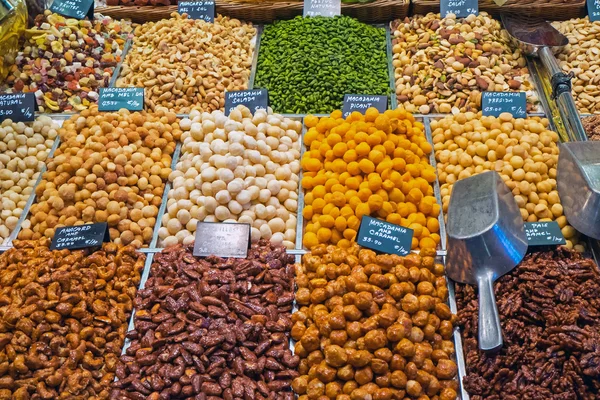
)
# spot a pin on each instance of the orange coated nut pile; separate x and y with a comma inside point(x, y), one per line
point(373, 326)
point(110, 167)
point(375, 165)
point(64, 319)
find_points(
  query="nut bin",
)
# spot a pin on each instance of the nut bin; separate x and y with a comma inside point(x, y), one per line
point(110, 167)
point(212, 328)
point(65, 61)
point(186, 63)
point(64, 319)
point(443, 64)
point(241, 168)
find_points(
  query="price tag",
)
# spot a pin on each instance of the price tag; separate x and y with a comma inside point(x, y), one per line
point(222, 240)
point(324, 8)
point(360, 103)
point(17, 107)
point(593, 8)
point(495, 103)
point(461, 8)
point(113, 99)
point(544, 234)
point(204, 10)
point(78, 9)
point(382, 236)
point(80, 236)
point(254, 99)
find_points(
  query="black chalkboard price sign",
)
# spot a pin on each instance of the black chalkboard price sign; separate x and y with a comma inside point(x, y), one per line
point(360, 103)
point(593, 8)
point(18, 107)
point(204, 10)
point(80, 236)
point(323, 8)
point(496, 103)
point(222, 240)
point(544, 234)
point(254, 99)
point(113, 99)
point(382, 236)
point(461, 8)
point(78, 9)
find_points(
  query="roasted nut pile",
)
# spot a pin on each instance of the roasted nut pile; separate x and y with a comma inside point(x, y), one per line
point(65, 61)
point(309, 64)
point(373, 326)
point(184, 63)
point(582, 56)
point(549, 314)
point(374, 165)
point(592, 127)
point(64, 319)
point(109, 167)
point(241, 168)
point(443, 64)
point(23, 151)
point(523, 151)
point(212, 328)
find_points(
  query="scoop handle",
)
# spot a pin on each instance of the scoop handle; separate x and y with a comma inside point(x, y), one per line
point(490, 331)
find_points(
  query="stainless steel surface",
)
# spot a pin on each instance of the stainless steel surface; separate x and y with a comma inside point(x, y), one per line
point(390, 58)
point(486, 239)
point(531, 34)
point(570, 117)
point(117, 71)
point(259, 30)
point(300, 217)
point(578, 181)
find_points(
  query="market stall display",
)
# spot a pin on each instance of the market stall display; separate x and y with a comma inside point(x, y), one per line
point(237, 168)
point(523, 151)
point(64, 318)
point(374, 165)
point(549, 315)
point(592, 127)
point(186, 63)
point(24, 148)
point(212, 327)
point(309, 64)
point(373, 326)
point(66, 61)
point(110, 167)
point(443, 65)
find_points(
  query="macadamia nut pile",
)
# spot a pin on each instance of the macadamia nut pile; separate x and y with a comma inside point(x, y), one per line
point(185, 63)
point(110, 167)
point(241, 168)
point(23, 151)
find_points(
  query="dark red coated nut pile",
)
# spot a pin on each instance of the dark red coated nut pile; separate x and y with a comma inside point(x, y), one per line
point(63, 319)
point(212, 328)
point(550, 315)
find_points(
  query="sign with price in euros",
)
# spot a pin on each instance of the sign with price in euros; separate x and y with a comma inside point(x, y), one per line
point(18, 107)
point(204, 10)
point(544, 234)
point(222, 239)
point(496, 103)
point(382, 236)
point(323, 8)
point(360, 103)
point(113, 99)
point(593, 8)
point(80, 236)
point(78, 9)
point(254, 99)
point(460, 8)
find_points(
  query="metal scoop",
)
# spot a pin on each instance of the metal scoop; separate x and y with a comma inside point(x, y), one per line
point(486, 239)
point(536, 37)
point(578, 181)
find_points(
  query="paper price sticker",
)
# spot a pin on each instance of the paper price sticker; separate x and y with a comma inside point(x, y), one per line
point(361, 102)
point(460, 8)
point(254, 99)
point(222, 240)
point(496, 103)
point(18, 107)
point(113, 99)
point(323, 8)
point(78, 9)
point(382, 236)
point(80, 236)
point(544, 234)
point(204, 10)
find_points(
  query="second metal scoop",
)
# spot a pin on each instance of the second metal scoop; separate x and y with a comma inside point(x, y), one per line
point(578, 181)
point(486, 239)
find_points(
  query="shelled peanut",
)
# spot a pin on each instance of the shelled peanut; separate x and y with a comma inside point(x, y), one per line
point(373, 326)
point(185, 63)
point(65, 61)
point(24, 148)
point(237, 168)
point(443, 64)
point(110, 167)
point(375, 165)
point(582, 56)
point(523, 151)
